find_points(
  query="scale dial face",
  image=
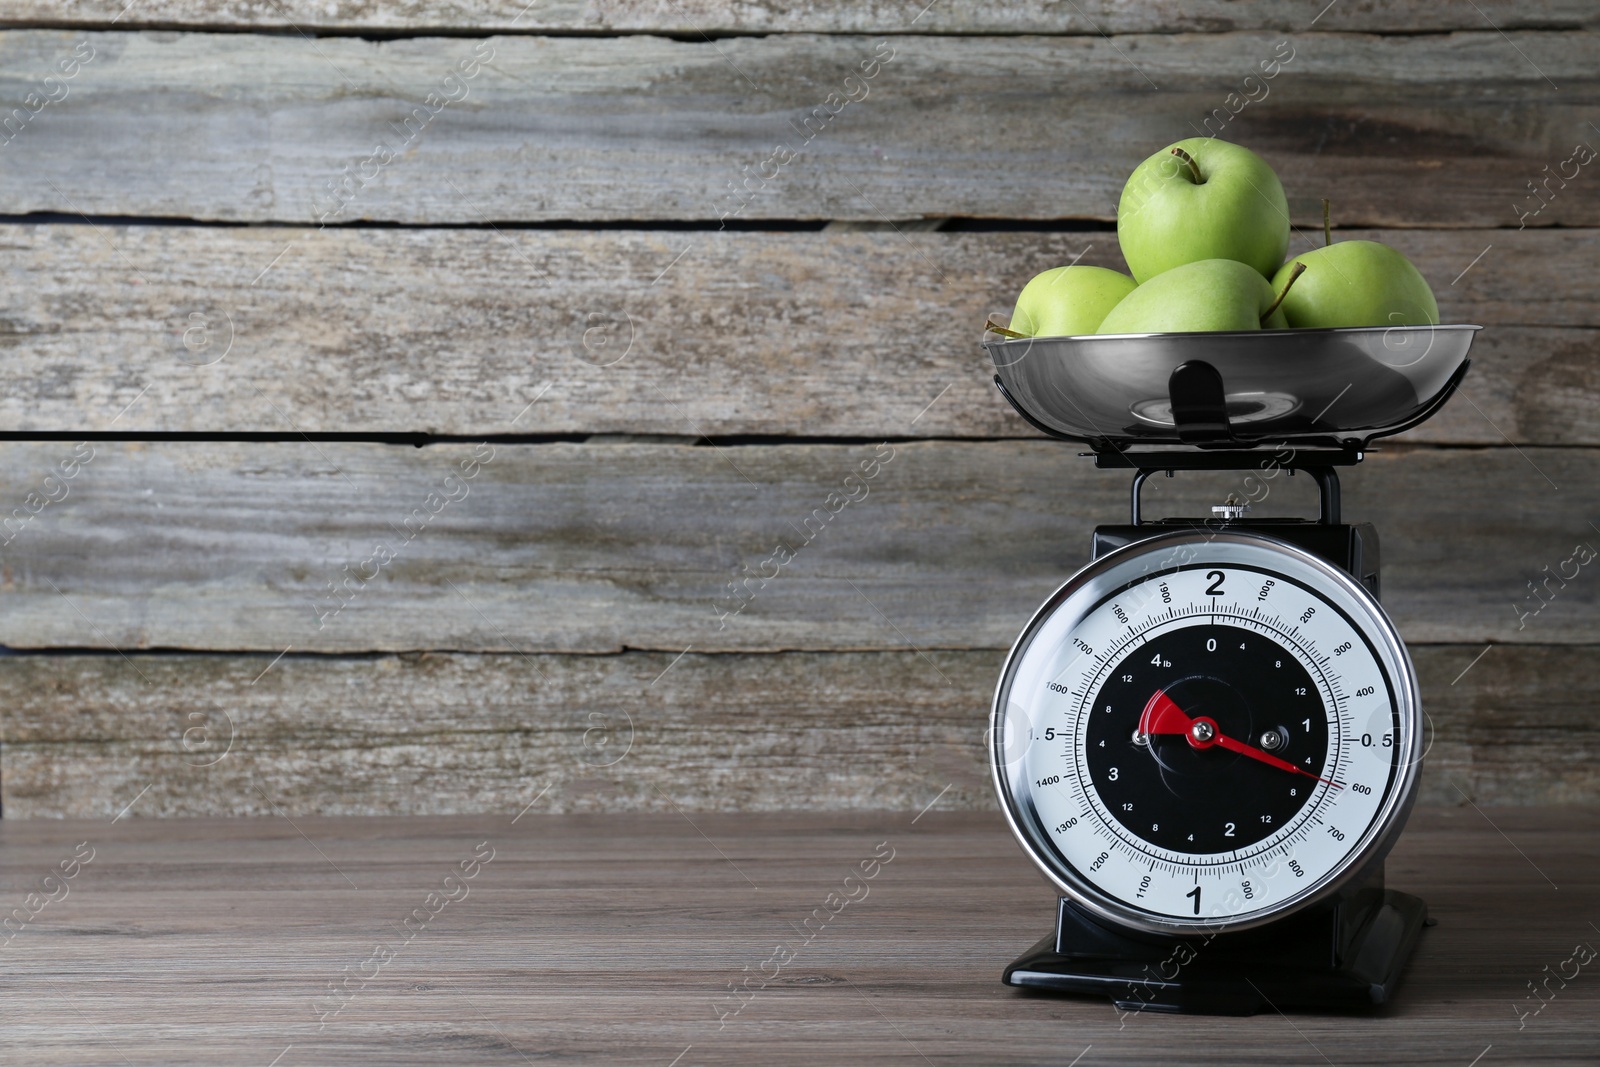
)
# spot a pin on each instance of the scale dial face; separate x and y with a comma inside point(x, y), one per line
point(1206, 730)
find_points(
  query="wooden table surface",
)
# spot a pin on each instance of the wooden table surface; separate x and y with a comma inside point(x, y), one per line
point(591, 939)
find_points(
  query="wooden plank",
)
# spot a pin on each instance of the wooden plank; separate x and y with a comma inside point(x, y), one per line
point(841, 334)
point(1512, 734)
point(1435, 130)
point(857, 16)
point(606, 546)
point(606, 939)
point(445, 734)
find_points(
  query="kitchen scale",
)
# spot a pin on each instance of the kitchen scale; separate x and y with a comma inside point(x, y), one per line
point(1208, 739)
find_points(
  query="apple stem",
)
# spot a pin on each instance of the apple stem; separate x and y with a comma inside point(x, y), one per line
point(1299, 269)
point(1327, 227)
point(1194, 168)
point(1007, 332)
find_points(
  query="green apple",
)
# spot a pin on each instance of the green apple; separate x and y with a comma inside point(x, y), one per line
point(1202, 199)
point(1213, 294)
point(1065, 301)
point(1358, 283)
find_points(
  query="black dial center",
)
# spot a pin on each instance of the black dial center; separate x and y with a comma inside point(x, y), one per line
point(1182, 789)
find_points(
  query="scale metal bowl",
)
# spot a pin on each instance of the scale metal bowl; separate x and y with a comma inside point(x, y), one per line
point(1336, 388)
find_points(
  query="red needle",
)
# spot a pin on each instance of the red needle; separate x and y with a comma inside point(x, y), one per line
point(1162, 716)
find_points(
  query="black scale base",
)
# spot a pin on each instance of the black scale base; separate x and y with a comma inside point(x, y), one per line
point(1345, 954)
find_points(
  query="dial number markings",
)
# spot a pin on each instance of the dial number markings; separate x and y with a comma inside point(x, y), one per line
point(1220, 734)
point(1185, 774)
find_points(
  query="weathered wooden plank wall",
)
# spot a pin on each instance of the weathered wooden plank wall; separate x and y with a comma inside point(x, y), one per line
point(601, 547)
point(851, 16)
point(545, 257)
point(816, 334)
point(1408, 130)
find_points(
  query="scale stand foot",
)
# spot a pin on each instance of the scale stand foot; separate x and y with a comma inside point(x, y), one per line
point(1346, 954)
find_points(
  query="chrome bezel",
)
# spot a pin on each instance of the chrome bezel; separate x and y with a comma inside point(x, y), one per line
point(1071, 604)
